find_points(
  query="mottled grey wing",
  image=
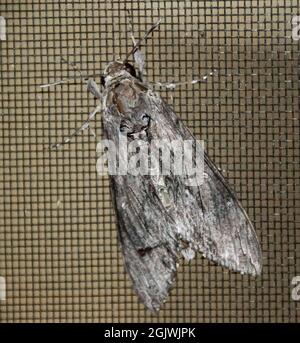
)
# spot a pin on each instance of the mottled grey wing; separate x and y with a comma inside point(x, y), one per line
point(214, 221)
point(149, 248)
point(153, 232)
point(218, 226)
point(146, 233)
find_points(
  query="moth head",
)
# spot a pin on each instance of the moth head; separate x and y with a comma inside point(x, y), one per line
point(115, 68)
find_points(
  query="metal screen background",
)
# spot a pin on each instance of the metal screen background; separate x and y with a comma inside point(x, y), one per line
point(58, 245)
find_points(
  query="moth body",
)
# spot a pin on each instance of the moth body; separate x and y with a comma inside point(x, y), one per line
point(160, 218)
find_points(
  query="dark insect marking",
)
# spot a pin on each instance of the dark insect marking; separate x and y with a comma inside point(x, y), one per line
point(185, 244)
point(102, 77)
point(130, 69)
point(146, 119)
point(124, 128)
point(143, 252)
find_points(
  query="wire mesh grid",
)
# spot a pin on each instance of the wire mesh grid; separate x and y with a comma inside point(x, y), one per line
point(59, 254)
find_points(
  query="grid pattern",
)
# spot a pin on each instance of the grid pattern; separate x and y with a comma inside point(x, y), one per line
point(58, 245)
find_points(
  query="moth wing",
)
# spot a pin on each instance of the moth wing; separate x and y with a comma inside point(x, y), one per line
point(217, 224)
point(153, 232)
point(210, 214)
point(145, 232)
point(149, 251)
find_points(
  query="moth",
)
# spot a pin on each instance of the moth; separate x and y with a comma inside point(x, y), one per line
point(162, 218)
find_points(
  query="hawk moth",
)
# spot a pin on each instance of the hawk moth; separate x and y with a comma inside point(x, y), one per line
point(161, 220)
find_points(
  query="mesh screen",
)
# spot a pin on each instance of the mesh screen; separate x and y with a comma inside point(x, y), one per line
point(59, 252)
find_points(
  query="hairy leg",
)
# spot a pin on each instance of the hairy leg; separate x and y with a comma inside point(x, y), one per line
point(83, 127)
point(173, 85)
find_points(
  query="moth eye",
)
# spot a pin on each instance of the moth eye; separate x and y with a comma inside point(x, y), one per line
point(145, 119)
point(102, 80)
point(130, 69)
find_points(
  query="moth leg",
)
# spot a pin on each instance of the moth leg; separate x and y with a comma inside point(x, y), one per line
point(74, 67)
point(91, 84)
point(173, 85)
point(59, 82)
point(94, 88)
point(84, 126)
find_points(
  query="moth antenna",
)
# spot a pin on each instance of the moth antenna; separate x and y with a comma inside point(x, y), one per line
point(129, 18)
point(138, 56)
point(130, 23)
point(141, 40)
